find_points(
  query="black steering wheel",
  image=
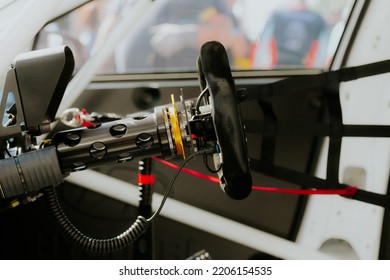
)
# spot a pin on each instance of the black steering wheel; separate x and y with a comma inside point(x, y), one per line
point(215, 74)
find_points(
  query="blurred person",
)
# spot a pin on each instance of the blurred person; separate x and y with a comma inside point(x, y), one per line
point(174, 31)
point(292, 36)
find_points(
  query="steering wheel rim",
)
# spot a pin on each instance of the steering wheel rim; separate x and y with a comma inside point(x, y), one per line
point(214, 69)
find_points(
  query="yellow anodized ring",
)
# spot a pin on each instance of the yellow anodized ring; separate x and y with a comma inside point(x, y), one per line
point(175, 127)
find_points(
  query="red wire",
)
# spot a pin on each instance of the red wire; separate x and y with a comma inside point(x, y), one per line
point(348, 191)
point(188, 171)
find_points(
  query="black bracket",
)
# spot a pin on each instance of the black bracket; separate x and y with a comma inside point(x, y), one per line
point(328, 84)
point(37, 80)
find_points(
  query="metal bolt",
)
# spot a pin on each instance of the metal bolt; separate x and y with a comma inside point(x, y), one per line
point(72, 139)
point(78, 166)
point(124, 157)
point(242, 94)
point(98, 150)
point(118, 130)
point(144, 141)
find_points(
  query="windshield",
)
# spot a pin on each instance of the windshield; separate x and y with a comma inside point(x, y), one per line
point(258, 34)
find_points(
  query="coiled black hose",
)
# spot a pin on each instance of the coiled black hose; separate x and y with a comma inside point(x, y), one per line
point(108, 245)
point(124, 239)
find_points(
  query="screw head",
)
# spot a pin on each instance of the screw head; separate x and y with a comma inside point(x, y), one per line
point(97, 150)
